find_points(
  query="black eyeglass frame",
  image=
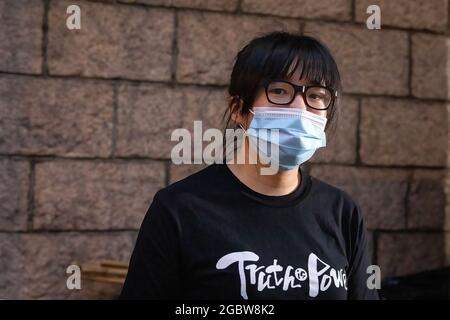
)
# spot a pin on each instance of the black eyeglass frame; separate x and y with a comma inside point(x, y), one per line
point(301, 89)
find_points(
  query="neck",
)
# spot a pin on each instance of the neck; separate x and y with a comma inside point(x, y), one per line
point(281, 183)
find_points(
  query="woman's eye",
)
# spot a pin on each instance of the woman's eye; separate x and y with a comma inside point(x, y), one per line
point(315, 96)
point(278, 91)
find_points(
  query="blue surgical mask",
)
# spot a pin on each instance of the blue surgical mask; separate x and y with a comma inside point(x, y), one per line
point(300, 133)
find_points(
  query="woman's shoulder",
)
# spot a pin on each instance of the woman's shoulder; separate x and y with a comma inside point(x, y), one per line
point(343, 206)
point(198, 182)
point(332, 192)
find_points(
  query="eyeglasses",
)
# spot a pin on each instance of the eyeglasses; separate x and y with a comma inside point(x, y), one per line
point(283, 92)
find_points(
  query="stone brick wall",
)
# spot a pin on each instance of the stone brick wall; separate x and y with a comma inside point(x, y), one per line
point(86, 117)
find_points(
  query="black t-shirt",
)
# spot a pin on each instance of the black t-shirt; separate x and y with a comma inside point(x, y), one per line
point(209, 236)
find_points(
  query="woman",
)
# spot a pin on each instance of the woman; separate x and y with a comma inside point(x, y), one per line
point(233, 231)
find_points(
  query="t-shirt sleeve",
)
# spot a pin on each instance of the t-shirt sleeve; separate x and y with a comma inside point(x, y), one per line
point(357, 275)
point(154, 270)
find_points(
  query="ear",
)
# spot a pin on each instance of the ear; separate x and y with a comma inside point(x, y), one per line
point(235, 106)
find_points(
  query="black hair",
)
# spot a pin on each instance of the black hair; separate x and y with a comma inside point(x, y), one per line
point(278, 55)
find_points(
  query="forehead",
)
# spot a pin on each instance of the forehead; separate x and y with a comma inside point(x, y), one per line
point(297, 74)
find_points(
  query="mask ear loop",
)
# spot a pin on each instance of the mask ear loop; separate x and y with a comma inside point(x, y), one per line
point(245, 131)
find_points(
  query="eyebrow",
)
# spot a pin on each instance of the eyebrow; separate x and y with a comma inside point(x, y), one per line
point(308, 82)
